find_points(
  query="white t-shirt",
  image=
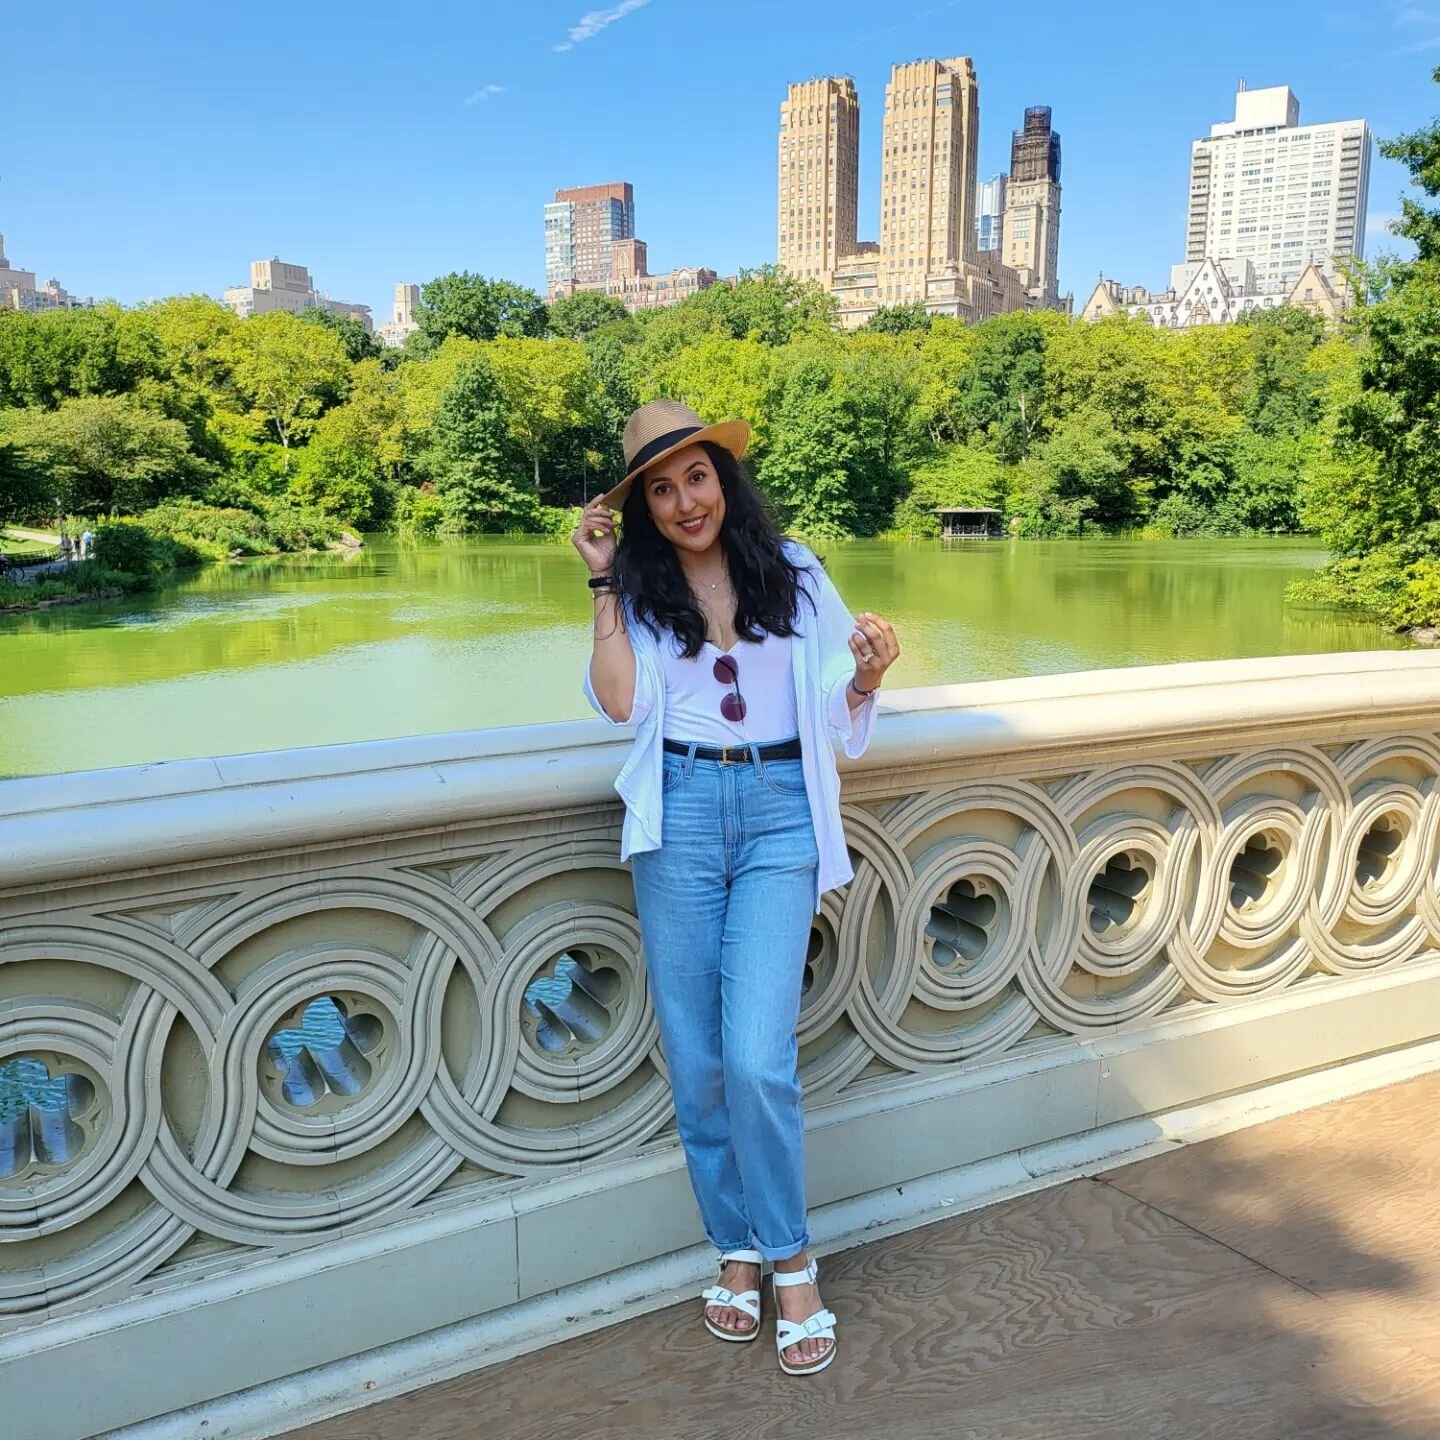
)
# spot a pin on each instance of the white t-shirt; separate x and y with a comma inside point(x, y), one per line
point(693, 695)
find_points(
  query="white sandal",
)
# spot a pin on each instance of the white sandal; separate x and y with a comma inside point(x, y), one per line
point(819, 1326)
point(746, 1300)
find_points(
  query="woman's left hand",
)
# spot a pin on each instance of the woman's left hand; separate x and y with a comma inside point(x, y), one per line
point(875, 649)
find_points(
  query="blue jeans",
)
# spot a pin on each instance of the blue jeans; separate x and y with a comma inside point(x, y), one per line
point(725, 908)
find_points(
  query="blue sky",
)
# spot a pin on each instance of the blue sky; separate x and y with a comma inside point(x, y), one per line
point(159, 147)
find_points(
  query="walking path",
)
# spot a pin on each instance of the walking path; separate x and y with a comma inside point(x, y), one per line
point(1280, 1283)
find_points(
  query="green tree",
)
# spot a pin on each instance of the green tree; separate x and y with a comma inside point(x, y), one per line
point(946, 354)
point(548, 389)
point(1086, 461)
point(195, 336)
point(578, 316)
point(359, 343)
point(22, 489)
point(879, 379)
point(347, 469)
point(768, 305)
point(472, 306)
point(104, 454)
point(1375, 499)
point(476, 466)
point(806, 466)
point(1419, 153)
point(966, 476)
point(1282, 392)
point(288, 371)
point(899, 319)
point(55, 355)
point(1003, 393)
point(721, 379)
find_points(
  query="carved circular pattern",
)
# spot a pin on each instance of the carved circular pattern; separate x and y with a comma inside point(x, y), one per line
point(513, 1031)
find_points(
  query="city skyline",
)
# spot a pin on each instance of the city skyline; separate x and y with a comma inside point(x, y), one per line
point(135, 195)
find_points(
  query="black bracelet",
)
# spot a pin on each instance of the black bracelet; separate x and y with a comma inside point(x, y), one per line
point(864, 694)
point(603, 582)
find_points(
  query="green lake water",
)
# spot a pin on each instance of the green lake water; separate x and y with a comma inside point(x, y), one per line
point(407, 639)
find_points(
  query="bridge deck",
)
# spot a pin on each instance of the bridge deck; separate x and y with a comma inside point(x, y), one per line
point(1280, 1282)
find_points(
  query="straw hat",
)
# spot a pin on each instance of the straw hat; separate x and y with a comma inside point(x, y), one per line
point(661, 428)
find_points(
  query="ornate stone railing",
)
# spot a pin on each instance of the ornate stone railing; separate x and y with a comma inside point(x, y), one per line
point(283, 1033)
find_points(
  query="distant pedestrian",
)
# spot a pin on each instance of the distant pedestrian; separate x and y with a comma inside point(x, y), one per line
point(65, 551)
point(87, 544)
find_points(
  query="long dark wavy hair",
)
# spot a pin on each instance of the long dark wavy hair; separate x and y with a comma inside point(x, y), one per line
point(768, 585)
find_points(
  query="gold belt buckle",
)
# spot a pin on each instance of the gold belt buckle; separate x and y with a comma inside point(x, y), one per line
point(725, 755)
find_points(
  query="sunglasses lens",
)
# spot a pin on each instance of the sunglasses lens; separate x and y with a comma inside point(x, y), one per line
point(726, 671)
point(732, 707)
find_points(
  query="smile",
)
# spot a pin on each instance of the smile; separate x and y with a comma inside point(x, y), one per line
point(693, 527)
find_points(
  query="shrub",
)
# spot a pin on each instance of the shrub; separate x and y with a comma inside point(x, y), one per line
point(558, 521)
point(419, 511)
point(1179, 515)
point(299, 527)
point(1419, 601)
point(126, 546)
point(208, 531)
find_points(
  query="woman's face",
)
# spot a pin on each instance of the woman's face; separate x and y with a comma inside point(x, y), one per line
point(685, 499)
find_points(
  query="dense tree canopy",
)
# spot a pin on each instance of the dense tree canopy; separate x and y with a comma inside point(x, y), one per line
point(501, 413)
point(479, 309)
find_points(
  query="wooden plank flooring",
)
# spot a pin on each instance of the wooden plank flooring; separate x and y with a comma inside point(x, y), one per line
point(1279, 1282)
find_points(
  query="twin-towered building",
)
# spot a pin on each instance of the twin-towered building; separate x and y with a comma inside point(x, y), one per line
point(929, 251)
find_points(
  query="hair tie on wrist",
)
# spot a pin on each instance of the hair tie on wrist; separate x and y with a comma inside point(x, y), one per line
point(603, 582)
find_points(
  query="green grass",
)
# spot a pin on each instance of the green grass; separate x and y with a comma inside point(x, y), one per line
point(25, 548)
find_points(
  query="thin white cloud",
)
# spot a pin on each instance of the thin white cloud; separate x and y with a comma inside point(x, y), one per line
point(593, 22)
point(1380, 221)
point(1411, 17)
point(480, 96)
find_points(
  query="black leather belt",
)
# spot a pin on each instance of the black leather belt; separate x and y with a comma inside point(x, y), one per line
point(738, 754)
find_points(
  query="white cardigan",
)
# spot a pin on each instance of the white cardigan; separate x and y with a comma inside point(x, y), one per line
point(822, 666)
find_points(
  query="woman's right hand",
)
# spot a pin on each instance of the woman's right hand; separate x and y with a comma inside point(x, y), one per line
point(594, 538)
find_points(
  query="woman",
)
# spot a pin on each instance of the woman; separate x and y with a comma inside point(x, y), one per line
point(731, 652)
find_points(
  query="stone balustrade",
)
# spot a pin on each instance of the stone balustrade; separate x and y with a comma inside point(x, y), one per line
point(322, 1049)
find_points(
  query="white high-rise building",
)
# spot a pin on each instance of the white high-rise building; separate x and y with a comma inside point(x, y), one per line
point(1282, 195)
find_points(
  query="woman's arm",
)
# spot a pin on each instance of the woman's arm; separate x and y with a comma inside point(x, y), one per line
point(849, 714)
point(611, 677)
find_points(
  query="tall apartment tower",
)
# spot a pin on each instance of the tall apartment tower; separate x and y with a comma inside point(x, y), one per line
point(1282, 195)
point(927, 190)
point(1031, 241)
point(819, 176)
point(989, 212)
point(581, 227)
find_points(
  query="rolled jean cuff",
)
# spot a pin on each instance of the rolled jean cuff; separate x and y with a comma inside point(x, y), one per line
point(783, 1252)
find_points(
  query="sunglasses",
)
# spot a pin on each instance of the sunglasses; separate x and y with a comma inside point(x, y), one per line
point(727, 672)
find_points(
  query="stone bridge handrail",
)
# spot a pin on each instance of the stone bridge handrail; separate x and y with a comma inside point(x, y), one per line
point(65, 828)
point(308, 1054)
